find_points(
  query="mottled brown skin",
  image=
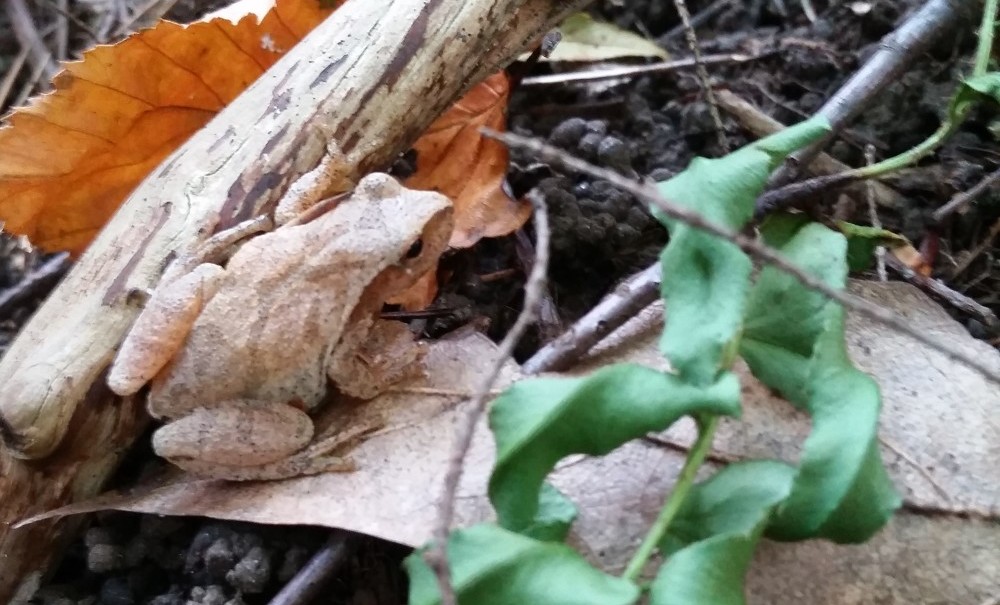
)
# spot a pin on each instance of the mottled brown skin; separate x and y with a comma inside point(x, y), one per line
point(237, 357)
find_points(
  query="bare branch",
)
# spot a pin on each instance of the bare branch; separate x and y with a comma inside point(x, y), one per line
point(534, 290)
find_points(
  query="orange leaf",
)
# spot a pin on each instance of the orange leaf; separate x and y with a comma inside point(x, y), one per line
point(453, 158)
point(70, 158)
point(913, 259)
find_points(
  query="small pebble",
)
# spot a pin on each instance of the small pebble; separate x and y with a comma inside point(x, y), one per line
point(613, 153)
point(220, 558)
point(589, 144)
point(661, 174)
point(212, 594)
point(102, 558)
point(568, 133)
point(252, 573)
point(597, 127)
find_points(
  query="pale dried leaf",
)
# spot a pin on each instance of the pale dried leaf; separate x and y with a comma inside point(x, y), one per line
point(937, 414)
point(587, 40)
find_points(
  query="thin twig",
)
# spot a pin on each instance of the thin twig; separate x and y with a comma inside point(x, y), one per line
point(62, 29)
point(64, 11)
point(633, 295)
point(534, 288)
point(964, 198)
point(31, 84)
point(791, 194)
point(34, 284)
point(977, 251)
point(631, 71)
point(320, 569)
point(702, 72)
point(768, 255)
point(873, 216)
point(808, 10)
point(955, 299)
point(894, 55)
point(696, 20)
point(11, 76)
point(29, 38)
point(144, 16)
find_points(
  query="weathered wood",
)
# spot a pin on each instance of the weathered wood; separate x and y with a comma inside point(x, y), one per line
point(370, 78)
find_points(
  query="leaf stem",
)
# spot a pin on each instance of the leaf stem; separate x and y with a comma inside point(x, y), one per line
point(696, 456)
point(955, 117)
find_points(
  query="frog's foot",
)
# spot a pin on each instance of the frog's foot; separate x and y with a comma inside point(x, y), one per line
point(315, 459)
point(378, 358)
point(298, 465)
point(344, 438)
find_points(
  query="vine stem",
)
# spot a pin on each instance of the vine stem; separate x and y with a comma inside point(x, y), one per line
point(696, 456)
point(954, 119)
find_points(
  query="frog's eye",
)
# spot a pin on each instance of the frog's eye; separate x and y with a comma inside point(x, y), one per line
point(415, 249)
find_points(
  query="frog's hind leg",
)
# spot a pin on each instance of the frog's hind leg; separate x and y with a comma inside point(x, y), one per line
point(248, 439)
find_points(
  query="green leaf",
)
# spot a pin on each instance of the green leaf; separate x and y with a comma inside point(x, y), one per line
point(492, 566)
point(538, 422)
point(793, 341)
point(862, 241)
point(556, 514)
point(712, 539)
point(584, 39)
point(706, 279)
point(973, 90)
point(842, 491)
point(784, 319)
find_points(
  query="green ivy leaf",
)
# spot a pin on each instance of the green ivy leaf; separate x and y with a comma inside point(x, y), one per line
point(972, 91)
point(555, 516)
point(538, 422)
point(706, 279)
point(492, 566)
point(862, 241)
point(713, 537)
point(793, 341)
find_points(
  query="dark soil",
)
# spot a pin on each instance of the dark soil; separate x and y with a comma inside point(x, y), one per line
point(649, 127)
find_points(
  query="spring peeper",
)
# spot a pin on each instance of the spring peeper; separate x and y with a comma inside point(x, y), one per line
point(237, 357)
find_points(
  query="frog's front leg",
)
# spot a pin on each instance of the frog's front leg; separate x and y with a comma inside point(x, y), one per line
point(161, 328)
point(244, 439)
point(332, 175)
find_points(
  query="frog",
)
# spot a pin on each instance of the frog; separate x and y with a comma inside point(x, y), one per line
point(239, 352)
